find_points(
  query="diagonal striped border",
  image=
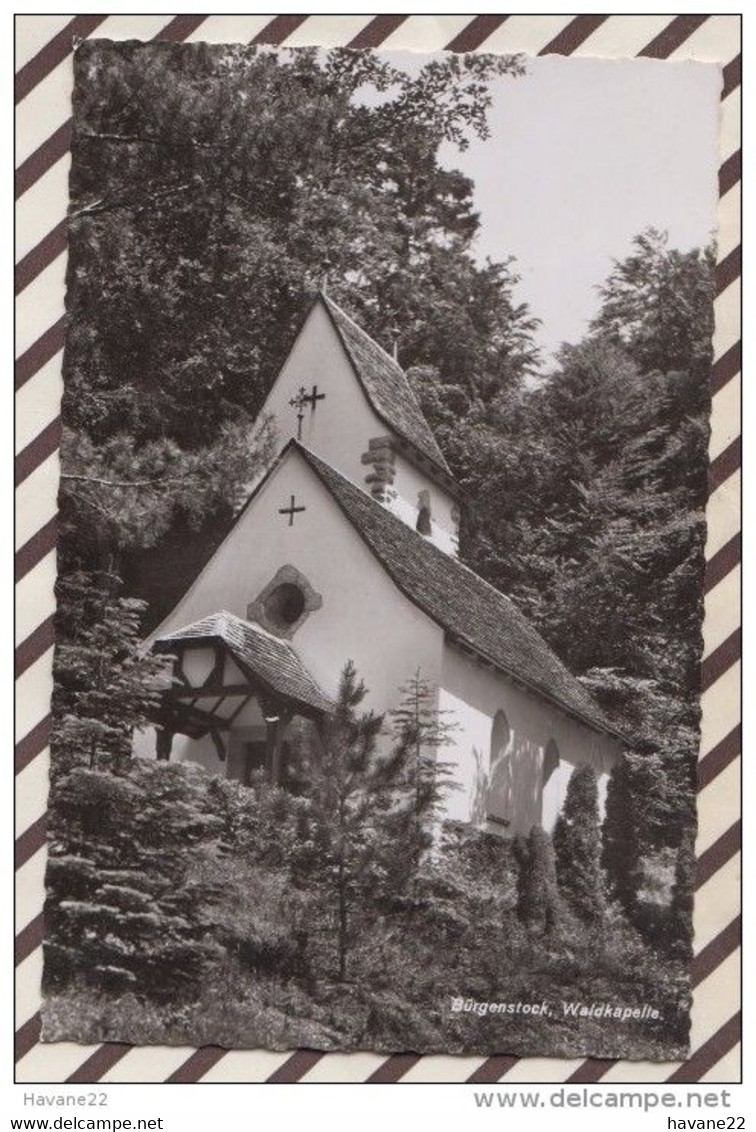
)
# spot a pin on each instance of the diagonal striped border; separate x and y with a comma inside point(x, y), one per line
point(43, 85)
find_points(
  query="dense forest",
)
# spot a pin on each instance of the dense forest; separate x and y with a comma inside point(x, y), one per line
point(212, 189)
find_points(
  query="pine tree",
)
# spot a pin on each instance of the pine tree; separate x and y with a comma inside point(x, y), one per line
point(339, 842)
point(620, 849)
point(538, 899)
point(421, 777)
point(105, 687)
point(577, 843)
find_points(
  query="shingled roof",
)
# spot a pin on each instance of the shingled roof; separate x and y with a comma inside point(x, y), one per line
point(386, 387)
point(274, 662)
point(471, 612)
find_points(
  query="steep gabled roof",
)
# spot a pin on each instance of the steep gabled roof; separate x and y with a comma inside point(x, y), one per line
point(472, 613)
point(386, 387)
point(274, 662)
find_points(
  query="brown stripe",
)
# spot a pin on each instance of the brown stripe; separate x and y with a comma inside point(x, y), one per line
point(40, 352)
point(43, 158)
point(179, 28)
point(53, 53)
point(279, 29)
point(98, 1063)
point(570, 38)
point(707, 1056)
point(492, 1070)
point(674, 34)
point(592, 1069)
point(30, 842)
point(28, 939)
point(718, 854)
point(36, 548)
point(40, 257)
point(196, 1066)
point(35, 645)
point(726, 368)
point(374, 33)
point(721, 563)
point(27, 1036)
point(32, 743)
point(476, 32)
point(719, 758)
point(724, 465)
point(728, 270)
point(35, 453)
point(729, 173)
point(720, 660)
point(295, 1067)
point(731, 76)
point(393, 1068)
point(715, 952)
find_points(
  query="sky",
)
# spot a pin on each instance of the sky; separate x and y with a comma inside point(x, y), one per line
point(583, 155)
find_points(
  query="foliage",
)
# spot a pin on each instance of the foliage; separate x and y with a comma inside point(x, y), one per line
point(538, 902)
point(620, 850)
point(577, 845)
point(104, 686)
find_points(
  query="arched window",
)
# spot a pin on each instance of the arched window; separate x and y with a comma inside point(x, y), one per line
point(551, 787)
point(500, 787)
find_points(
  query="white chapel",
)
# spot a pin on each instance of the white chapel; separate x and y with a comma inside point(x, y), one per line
point(347, 550)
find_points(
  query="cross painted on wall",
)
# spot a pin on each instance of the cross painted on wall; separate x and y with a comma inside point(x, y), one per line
point(304, 398)
point(291, 511)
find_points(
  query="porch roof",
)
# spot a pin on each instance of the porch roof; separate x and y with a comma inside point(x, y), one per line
point(262, 657)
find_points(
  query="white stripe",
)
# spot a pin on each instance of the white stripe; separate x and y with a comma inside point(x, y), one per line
point(714, 1000)
point(723, 514)
point(148, 1064)
point(34, 32)
point(725, 417)
point(726, 320)
point(38, 401)
point(251, 1065)
point(526, 34)
point(441, 1067)
point(30, 889)
point(35, 599)
point(28, 987)
point(537, 1069)
point(717, 38)
point(228, 29)
point(42, 206)
point(620, 39)
point(52, 1062)
point(722, 606)
point(33, 692)
point(728, 224)
point(718, 803)
point(327, 31)
point(730, 125)
point(35, 499)
point(336, 1067)
point(728, 1069)
point(425, 33)
point(647, 1071)
point(721, 710)
point(40, 305)
point(717, 904)
point(31, 791)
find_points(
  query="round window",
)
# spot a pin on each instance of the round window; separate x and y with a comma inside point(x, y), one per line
point(284, 605)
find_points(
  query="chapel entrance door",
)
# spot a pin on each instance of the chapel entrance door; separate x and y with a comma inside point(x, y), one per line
point(246, 757)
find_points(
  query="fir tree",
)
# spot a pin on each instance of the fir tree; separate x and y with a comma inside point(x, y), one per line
point(104, 686)
point(538, 899)
point(620, 849)
point(339, 845)
point(577, 843)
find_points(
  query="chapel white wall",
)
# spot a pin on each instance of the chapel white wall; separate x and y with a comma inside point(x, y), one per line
point(472, 695)
point(363, 616)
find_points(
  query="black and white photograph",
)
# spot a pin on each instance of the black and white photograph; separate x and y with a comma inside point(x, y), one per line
point(380, 568)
